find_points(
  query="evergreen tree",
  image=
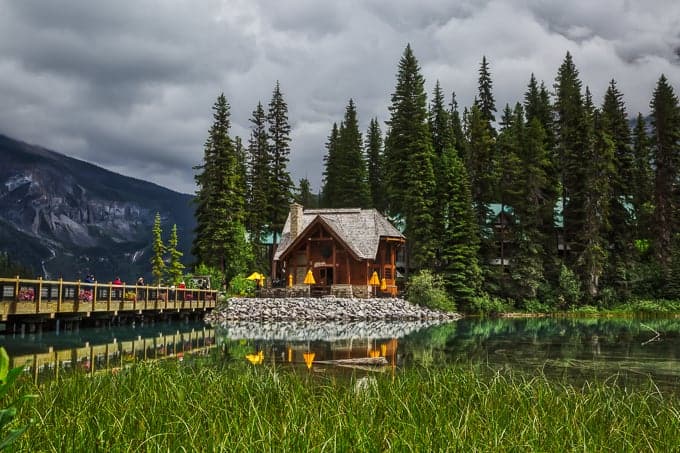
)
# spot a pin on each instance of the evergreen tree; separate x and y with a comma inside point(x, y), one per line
point(442, 138)
point(460, 241)
point(304, 195)
point(409, 155)
point(280, 183)
point(642, 177)
point(530, 203)
point(258, 176)
point(595, 197)
point(538, 108)
point(481, 164)
point(666, 132)
point(620, 238)
point(570, 127)
point(485, 101)
point(457, 128)
point(220, 235)
point(175, 269)
point(332, 175)
point(352, 190)
point(157, 263)
point(374, 157)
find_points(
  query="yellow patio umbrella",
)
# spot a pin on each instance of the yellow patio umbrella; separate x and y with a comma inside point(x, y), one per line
point(260, 281)
point(255, 276)
point(309, 359)
point(290, 280)
point(375, 281)
point(383, 285)
point(309, 278)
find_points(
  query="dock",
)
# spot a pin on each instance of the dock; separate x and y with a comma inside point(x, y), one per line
point(51, 299)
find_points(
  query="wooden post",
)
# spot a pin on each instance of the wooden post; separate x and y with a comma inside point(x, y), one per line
point(61, 294)
point(108, 304)
point(16, 290)
point(94, 295)
point(39, 298)
point(349, 271)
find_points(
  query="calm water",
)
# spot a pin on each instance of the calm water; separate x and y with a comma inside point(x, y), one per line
point(625, 351)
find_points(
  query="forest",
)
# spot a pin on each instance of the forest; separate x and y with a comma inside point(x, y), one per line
point(559, 200)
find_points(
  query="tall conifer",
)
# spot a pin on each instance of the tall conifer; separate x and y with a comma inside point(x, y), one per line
point(409, 155)
point(665, 145)
point(375, 162)
point(280, 184)
point(157, 262)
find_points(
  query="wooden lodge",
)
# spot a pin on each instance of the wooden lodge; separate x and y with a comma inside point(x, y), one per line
point(342, 248)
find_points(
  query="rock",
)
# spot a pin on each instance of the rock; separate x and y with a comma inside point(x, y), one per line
point(325, 309)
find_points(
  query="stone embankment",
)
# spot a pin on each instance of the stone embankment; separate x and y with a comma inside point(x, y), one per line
point(323, 309)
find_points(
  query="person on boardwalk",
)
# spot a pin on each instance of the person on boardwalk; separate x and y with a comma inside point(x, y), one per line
point(140, 292)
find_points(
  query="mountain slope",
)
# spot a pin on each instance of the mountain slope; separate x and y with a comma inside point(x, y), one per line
point(65, 217)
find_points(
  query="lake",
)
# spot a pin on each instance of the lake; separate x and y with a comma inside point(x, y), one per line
point(625, 351)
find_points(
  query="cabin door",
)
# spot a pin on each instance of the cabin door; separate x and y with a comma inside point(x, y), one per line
point(326, 276)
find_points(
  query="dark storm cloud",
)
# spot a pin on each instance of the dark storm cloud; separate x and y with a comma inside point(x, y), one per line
point(129, 84)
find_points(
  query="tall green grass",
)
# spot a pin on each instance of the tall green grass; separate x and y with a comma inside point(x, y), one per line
point(175, 407)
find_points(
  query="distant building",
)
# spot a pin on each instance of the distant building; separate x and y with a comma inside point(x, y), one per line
point(341, 247)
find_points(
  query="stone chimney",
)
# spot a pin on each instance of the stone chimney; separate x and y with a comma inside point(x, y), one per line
point(296, 211)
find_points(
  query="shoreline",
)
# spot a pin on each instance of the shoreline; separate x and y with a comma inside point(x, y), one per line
point(323, 309)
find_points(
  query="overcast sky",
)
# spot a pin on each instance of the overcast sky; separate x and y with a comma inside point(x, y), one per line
point(129, 84)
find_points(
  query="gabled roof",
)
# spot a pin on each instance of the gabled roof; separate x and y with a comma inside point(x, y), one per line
point(359, 229)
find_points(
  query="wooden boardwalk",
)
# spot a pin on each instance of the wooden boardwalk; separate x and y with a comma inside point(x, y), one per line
point(47, 298)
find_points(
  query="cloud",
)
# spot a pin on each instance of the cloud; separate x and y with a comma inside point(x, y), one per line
point(129, 85)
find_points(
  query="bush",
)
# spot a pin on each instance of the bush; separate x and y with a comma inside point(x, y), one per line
point(427, 290)
point(488, 305)
point(241, 286)
point(534, 306)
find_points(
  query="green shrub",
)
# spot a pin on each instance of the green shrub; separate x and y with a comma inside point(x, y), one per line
point(427, 290)
point(241, 286)
point(534, 306)
point(487, 304)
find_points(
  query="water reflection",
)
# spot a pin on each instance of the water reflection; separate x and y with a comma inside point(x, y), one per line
point(47, 355)
point(629, 350)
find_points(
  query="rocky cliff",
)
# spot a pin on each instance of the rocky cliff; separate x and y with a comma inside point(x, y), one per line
point(64, 217)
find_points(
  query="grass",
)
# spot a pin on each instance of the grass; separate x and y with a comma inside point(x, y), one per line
point(177, 407)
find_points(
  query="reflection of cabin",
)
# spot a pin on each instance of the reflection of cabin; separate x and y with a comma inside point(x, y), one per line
point(342, 247)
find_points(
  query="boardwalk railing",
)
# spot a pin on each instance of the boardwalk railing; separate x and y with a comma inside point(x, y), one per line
point(50, 297)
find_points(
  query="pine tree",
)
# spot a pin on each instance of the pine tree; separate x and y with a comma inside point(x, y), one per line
point(570, 128)
point(457, 128)
point(642, 177)
point(442, 138)
point(485, 101)
point(666, 132)
point(532, 186)
point(352, 191)
point(375, 162)
point(304, 195)
point(157, 263)
point(258, 176)
point(481, 164)
point(409, 155)
point(175, 268)
point(460, 241)
point(538, 108)
point(220, 235)
point(595, 198)
point(280, 184)
point(620, 238)
point(332, 178)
